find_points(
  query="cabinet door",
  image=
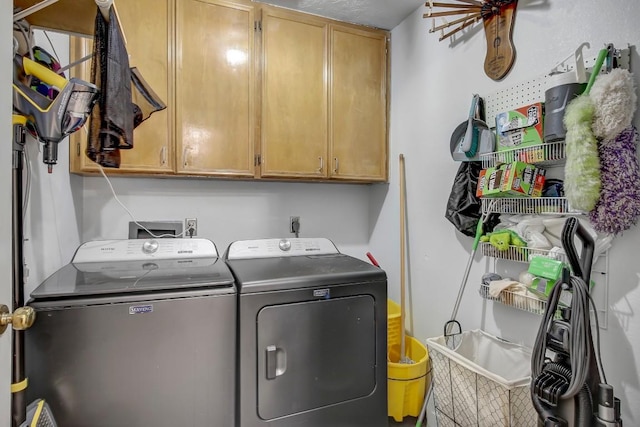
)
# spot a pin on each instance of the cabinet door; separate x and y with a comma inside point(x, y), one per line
point(358, 125)
point(215, 117)
point(145, 24)
point(294, 95)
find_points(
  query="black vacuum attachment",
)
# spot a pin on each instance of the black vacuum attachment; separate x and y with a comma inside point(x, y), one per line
point(565, 386)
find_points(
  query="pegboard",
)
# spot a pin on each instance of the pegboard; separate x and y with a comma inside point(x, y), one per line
point(532, 91)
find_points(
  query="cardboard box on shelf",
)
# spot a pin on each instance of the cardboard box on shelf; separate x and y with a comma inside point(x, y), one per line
point(522, 127)
point(523, 179)
point(489, 182)
point(515, 179)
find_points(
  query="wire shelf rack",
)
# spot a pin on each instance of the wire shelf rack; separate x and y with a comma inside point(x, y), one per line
point(519, 253)
point(526, 302)
point(552, 153)
point(527, 205)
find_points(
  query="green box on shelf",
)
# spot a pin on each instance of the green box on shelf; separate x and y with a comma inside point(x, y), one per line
point(490, 182)
point(548, 268)
point(542, 287)
point(522, 179)
point(515, 179)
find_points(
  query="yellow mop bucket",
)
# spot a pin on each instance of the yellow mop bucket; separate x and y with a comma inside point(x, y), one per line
point(393, 323)
point(407, 382)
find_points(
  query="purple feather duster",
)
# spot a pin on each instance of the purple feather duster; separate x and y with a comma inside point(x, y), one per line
point(619, 205)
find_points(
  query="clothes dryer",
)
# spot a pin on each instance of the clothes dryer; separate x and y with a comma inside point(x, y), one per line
point(312, 335)
point(136, 333)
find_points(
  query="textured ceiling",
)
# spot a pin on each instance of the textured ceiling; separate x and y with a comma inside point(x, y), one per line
point(385, 14)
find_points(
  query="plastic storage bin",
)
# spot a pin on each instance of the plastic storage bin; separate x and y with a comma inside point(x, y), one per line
point(393, 323)
point(482, 383)
point(407, 382)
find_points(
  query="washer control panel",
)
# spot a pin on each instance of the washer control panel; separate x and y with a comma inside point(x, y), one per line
point(143, 249)
point(272, 248)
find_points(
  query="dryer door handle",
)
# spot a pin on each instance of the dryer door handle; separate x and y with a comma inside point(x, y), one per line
point(276, 362)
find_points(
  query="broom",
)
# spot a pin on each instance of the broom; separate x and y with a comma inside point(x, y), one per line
point(403, 202)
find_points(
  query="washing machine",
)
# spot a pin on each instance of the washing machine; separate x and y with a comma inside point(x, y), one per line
point(136, 333)
point(312, 337)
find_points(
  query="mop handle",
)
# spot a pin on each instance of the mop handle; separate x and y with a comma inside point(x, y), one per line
point(402, 258)
point(596, 70)
point(476, 240)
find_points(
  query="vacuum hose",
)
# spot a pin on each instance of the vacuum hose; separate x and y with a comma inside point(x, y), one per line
point(575, 343)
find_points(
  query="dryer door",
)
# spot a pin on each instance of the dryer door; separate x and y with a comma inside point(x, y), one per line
point(313, 354)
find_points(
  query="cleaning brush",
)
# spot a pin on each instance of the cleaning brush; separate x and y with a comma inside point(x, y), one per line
point(582, 171)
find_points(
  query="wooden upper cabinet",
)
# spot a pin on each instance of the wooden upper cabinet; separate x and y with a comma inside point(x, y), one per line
point(358, 113)
point(215, 88)
point(252, 91)
point(146, 27)
point(294, 95)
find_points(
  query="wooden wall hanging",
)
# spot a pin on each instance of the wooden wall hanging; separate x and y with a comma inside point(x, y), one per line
point(498, 17)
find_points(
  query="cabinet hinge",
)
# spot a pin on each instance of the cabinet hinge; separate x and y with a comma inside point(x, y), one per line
point(257, 25)
point(257, 160)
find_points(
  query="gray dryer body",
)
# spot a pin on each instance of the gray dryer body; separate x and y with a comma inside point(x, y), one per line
point(312, 337)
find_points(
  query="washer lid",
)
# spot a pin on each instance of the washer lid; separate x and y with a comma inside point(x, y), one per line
point(99, 268)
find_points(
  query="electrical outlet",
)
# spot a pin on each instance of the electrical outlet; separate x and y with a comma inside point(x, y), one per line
point(190, 227)
point(294, 224)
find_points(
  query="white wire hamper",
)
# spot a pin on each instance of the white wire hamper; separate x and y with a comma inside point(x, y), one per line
point(482, 383)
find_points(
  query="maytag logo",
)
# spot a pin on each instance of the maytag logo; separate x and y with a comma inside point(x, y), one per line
point(321, 293)
point(139, 309)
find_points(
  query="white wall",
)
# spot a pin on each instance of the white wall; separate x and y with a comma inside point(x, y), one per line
point(232, 210)
point(432, 85)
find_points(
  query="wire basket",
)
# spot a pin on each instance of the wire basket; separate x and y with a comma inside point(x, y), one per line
point(483, 382)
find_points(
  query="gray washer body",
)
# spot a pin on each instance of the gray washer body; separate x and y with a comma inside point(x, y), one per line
point(312, 342)
point(156, 348)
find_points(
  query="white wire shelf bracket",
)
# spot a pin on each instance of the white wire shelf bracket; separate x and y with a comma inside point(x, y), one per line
point(552, 153)
point(528, 205)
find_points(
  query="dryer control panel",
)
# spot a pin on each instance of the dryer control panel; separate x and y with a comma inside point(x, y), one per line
point(275, 248)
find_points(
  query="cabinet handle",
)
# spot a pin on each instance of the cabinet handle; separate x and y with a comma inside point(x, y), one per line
point(163, 155)
point(321, 164)
point(335, 161)
point(184, 157)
